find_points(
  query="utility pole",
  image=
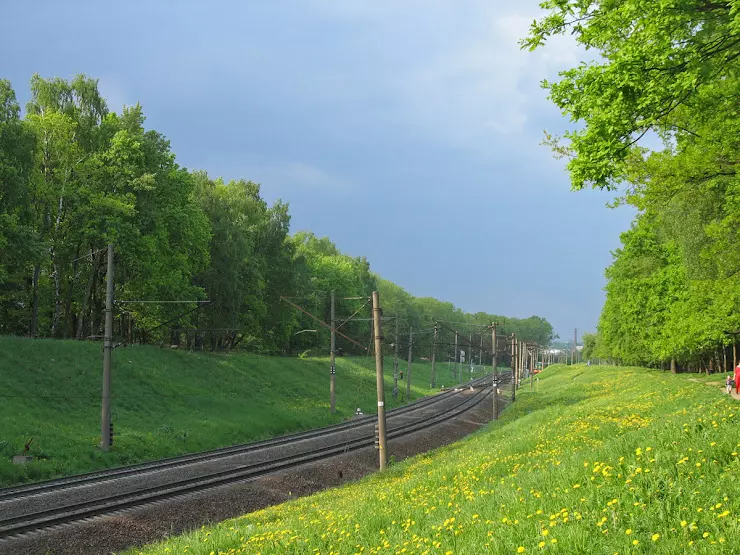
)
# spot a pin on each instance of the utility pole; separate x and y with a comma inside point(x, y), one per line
point(513, 367)
point(494, 358)
point(395, 363)
point(332, 369)
point(456, 357)
point(520, 363)
point(575, 342)
point(408, 367)
point(382, 444)
point(494, 362)
point(532, 359)
point(106, 437)
point(434, 359)
point(470, 363)
point(480, 351)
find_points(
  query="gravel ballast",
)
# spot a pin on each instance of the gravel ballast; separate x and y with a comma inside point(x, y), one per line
point(156, 521)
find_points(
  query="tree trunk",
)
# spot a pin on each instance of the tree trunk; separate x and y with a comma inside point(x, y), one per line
point(57, 299)
point(88, 293)
point(35, 303)
point(55, 268)
point(673, 365)
point(68, 316)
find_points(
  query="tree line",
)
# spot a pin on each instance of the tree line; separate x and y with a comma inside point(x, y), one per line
point(666, 70)
point(76, 176)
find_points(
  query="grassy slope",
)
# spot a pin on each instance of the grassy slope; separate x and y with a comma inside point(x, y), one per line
point(599, 460)
point(166, 402)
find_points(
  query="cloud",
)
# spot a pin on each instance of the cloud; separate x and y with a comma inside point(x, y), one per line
point(485, 87)
point(298, 176)
point(115, 93)
point(456, 73)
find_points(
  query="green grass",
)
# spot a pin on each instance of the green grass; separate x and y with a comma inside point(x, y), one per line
point(598, 460)
point(166, 402)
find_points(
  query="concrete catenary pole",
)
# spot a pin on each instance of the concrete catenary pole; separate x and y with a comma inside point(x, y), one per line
point(494, 353)
point(457, 355)
point(105, 424)
point(513, 367)
point(395, 363)
point(408, 366)
point(433, 383)
point(470, 359)
point(382, 443)
point(575, 342)
point(532, 359)
point(494, 363)
point(332, 361)
point(480, 351)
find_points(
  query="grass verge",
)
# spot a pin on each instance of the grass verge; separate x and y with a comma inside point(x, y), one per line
point(598, 460)
point(166, 402)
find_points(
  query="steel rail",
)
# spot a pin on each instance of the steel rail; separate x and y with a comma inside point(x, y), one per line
point(87, 509)
point(17, 492)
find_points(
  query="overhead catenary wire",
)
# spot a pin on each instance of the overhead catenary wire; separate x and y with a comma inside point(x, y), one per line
point(89, 255)
point(354, 314)
point(161, 302)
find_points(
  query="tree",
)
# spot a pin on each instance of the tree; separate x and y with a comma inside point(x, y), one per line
point(659, 64)
point(19, 246)
point(670, 69)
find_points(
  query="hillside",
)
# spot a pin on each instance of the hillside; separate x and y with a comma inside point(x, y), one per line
point(166, 402)
point(598, 460)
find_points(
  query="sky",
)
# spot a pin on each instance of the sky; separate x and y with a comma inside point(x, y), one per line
point(407, 131)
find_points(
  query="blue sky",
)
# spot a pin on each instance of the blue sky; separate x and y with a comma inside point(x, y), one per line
point(422, 115)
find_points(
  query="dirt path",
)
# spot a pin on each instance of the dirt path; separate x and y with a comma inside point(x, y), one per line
point(719, 385)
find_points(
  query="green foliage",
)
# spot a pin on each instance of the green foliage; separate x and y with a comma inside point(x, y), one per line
point(655, 61)
point(19, 245)
point(669, 68)
point(590, 341)
point(77, 177)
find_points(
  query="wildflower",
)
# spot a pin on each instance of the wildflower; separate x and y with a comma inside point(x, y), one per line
point(635, 542)
point(541, 545)
point(655, 537)
point(520, 549)
point(628, 531)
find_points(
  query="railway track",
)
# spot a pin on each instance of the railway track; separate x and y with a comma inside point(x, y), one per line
point(103, 475)
point(51, 508)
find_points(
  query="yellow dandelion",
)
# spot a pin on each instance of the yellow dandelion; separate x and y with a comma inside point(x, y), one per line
point(541, 545)
point(628, 531)
point(520, 549)
point(655, 537)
